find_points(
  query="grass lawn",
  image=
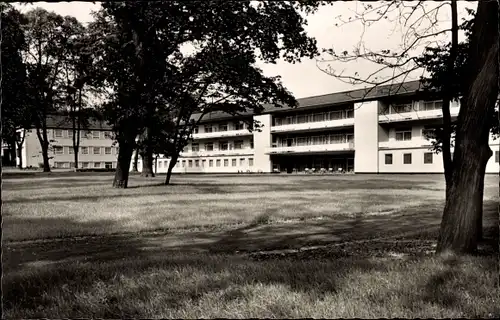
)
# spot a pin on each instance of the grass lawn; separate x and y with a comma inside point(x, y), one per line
point(238, 247)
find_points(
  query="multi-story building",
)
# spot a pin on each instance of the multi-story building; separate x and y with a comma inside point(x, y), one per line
point(362, 131)
point(96, 150)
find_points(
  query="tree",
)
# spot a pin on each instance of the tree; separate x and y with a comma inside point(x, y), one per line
point(142, 43)
point(449, 78)
point(15, 111)
point(464, 202)
point(47, 36)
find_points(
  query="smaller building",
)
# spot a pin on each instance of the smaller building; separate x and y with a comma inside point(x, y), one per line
point(96, 150)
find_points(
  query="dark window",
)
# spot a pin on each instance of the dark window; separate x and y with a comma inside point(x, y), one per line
point(497, 156)
point(407, 158)
point(388, 158)
point(428, 157)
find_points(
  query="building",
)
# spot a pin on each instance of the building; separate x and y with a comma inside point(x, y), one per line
point(97, 149)
point(380, 130)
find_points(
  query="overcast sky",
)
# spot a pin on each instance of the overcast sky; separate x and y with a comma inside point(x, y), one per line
point(305, 79)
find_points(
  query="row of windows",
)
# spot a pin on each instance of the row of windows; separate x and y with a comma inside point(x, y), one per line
point(410, 106)
point(208, 128)
point(223, 145)
point(407, 158)
point(315, 117)
point(428, 158)
point(406, 134)
point(60, 133)
point(315, 140)
point(85, 165)
point(85, 150)
point(218, 163)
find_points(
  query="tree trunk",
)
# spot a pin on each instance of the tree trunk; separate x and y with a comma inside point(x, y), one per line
point(147, 165)
point(147, 156)
point(125, 150)
point(45, 156)
point(171, 166)
point(464, 204)
point(136, 160)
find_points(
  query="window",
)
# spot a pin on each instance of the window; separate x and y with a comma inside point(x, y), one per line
point(223, 145)
point(223, 127)
point(318, 117)
point(233, 162)
point(70, 133)
point(85, 150)
point(196, 163)
point(108, 165)
point(183, 163)
point(58, 164)
point(432, 105)
point(402, 107)
point(85, 164)
point(209, 146)
point(96, 135)
point(190, 163)
point(97, 150)
point(66, 165)
point(210, 163)
point(250, 162)
point(335, 115)
point(403, 134)
point(195, 130)
point(429, 133)
point(97, 164)
point(107, 135)
point(427, 157)
point(177, 164)
point(107, 150)
point(160, 164)
point(203, 163)
point(301, 119)
point(251, 144)
point(208, 128)
point(58, 150)
point(58, 133)
point(217, 163)
point(239, 125)
point(497, 156)
point(242, 162)
point(337, 138)
point(388, 158)
point(350, 138)
point(70, 150)
point(407, 158)
point(350, 114)
point(238, 144)
point(195, 147)
point(226, 162)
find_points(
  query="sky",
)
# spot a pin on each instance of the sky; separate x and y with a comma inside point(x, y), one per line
point(306, 78)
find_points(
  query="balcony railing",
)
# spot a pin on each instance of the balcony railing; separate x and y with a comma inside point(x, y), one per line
point(231, 152)
point(412, 114)
point(222, 134)
point(348, 122)
point(347, 146)
point(405, 144)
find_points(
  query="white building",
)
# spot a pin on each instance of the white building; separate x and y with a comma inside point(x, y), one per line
point(380, 131)
point(97, 149)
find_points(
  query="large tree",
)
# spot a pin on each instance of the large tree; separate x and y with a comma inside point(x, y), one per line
point(15, 109)
point(142, 48)
point(47, 36)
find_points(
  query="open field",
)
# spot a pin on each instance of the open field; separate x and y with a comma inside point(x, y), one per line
point(239, 246)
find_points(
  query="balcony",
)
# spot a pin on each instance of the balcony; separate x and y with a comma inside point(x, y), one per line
point(222, 134)
point(405, 144)
point(417, 115)
point(218, 153)
point(348, 146)
point(308, 126)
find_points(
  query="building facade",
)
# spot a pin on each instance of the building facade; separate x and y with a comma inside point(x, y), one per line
point(362, 131)
point(96, 149)
point(381, 130)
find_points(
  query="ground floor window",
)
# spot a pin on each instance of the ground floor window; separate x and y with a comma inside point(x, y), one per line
point(85, 164)
point(428, 157)
point(108, 165)
point(497, 156)
point(407, 158)
point(388, 158)
point(250, 162)
point(233, 162)
point(210, 163)
point(226, 162)
point(97, 164)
